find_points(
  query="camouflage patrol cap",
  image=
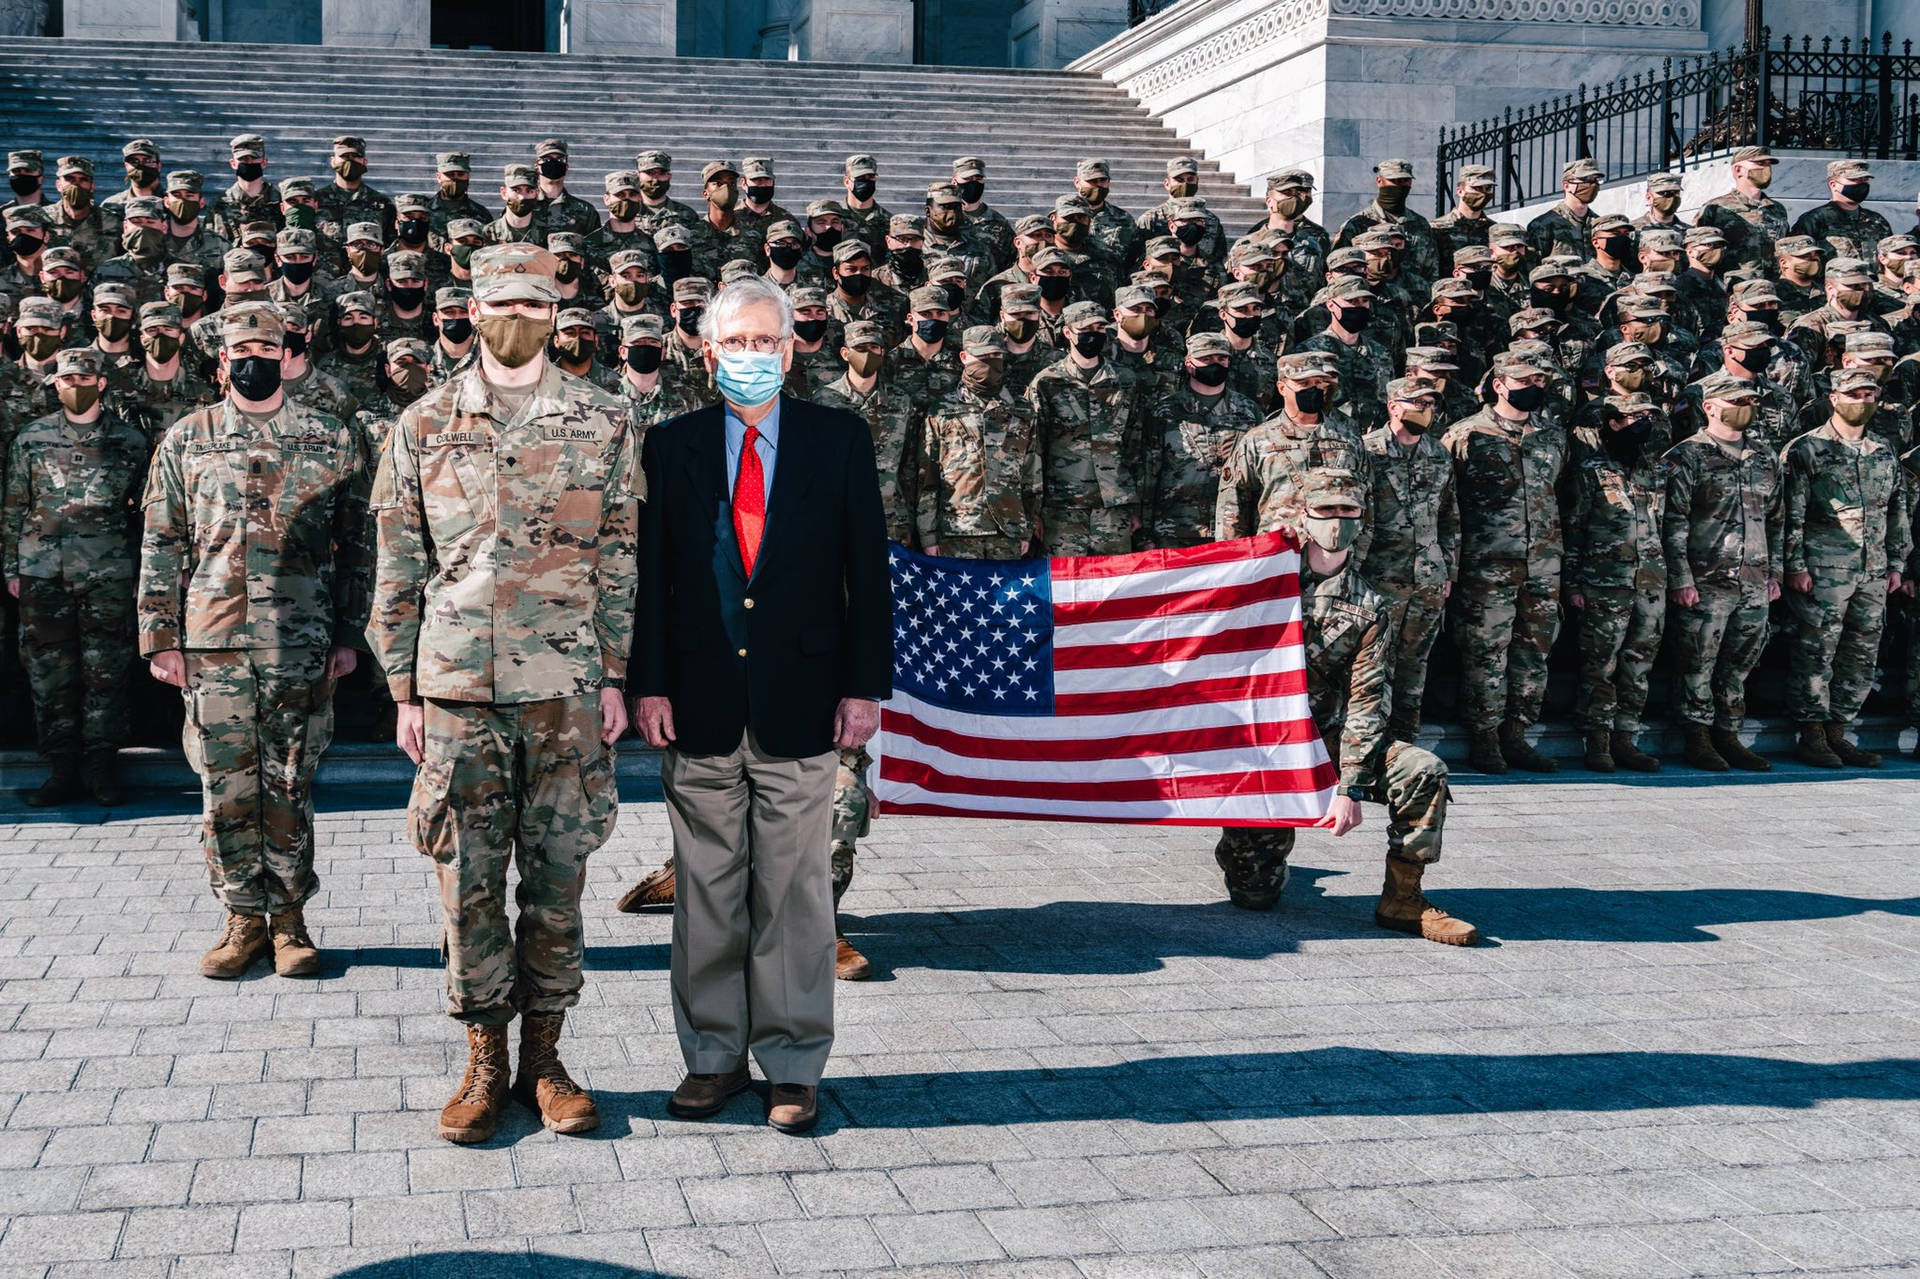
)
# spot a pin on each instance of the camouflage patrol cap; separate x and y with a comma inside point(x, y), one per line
point(1554, 268)
point(1296, 365)
point(907, 226)
point(1033, 224)
point(28, 160)
point(943, 194)
point(1182, 164)
point(408, 349)
point(652, 159)
point(258, 236)
point(248, 146)
point(1200, 345)
point(186, 275)
point(712, 169)
point(849, 249)
point(1843, 381)
point(291, 188)
point(628, 258)
point(621, 180)
point(943, 267)
point(294, 315)
point(407, 264)
point(1348, 289)
point(1393, 170)
point(1533, 317)
point(861, 166)
point(62, 255)
point(510, 272)
point(348, 144)
point(243, 266)
point(185, 180)
point(969, 166)
point(1514, 362)
point(1666, 240)
point(1723, 387)
point(1837, 330)
point(644, 327)
point(1704, 237)
point(1190, 208)
point(1434, 332)
point(364, 233)
point(1871, 345)
point(1609, 224)
point(1796, 246)
point(27, 215)
point(252, 322)
point(1071, 206)
point(412, 202)
point(1622, 354)
point(984, 342)
point(1633, 404)
point(1239, 293)
point(736, 268)
point(73, 164)
point(1753, 292)
point(1472, 255)
point(692, 288)
point(864, 333)
point(928, 297)
point(1753, 155)
point(453, 162)
point(1434, 359)
point(1019, 297)
point(1454, 289)
point(1750, 333)
point(672, 236)
point(566, 242)
point(1910, 269)
point(1089, 169)
point(1665, 182)
point(783, 230)
point(1328, 486)
point(1506, 233)
point(1893, 244)
point(825, 209)
point(1047, 255)
point(1079, 314)
point(574, 317)
point(1250, 253)
point(1407, 389)
point(460, 228)
point(807, 295)
point(1476, 175)
point(1130, 296)
point(1640, 306)
point(77, 361)
point(141, 147)
point(1848, 271)
point(357, 300)
point(1348, 259)
point(756, 166)
point(115, 293)
point(1581, 170)
point(1290, 180)
point(1161, 246)
point(1374, 240)
point(1848, 170)
point(38, 312)
point(449, 297)
point(550, 146)
point(161, 315)
point(1656, 285)
point(518, 175)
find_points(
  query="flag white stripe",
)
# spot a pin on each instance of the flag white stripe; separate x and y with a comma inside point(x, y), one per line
point(1145, 630)
point(1223, 810)
point(1123, 725)
point(1165, 675)
point(1173, 581)
point(1243, 759)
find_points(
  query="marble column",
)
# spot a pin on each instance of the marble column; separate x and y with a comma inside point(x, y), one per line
point(123, 19)
point(1052, 33)
point(852, 30)
point(387, 24)
point(776, 34)
point(637, 27)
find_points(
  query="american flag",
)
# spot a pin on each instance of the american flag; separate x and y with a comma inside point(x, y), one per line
point(1165, 687)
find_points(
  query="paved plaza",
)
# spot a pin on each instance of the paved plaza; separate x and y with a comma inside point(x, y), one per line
point(1691, 1046)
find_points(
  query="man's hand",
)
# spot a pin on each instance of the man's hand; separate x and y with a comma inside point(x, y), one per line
point(13, 587)
point(1342, 816)
point(410, 730)
point(1773, 587)
point(1801, 582)
point(855, 722)
point(1026, 544)
point(613, 716)
point(1576, 599)
point(1685, 596)
point(1446, 590)
point(169, 667)
point(653, 716)
point(341, 661)
point(1893, 582)
point(932, 548)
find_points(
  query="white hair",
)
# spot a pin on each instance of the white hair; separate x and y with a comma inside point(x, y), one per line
point(747, 291)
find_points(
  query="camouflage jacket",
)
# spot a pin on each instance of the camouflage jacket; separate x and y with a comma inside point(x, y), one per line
point(925, 381)
point(713, 247)
point(85, 234)
point(1504, 476)
point(652, 218)
point(444, 209)
point(70, 499)
point(1256, 490)
point(1412, 537)
point(501, 231)
point(979, 469)
point(1844, 233)
point(1423, 253)
point(341, 208)
point(1114, 232)
point(1722, 526)
point(1152, 224)
point(1088, 425)
point(1349, 642)
point(1190, 440)
point(1160, 369)
point(1365, 369)
point(147, 277)
point(1613, 518)
point(255, 533)
point(324, 393)
point(685, 365)
point(891, 413)
point(1846, 507)
point(1708, 299)
point(507, 543)
point(1452, 232)
point(568, 212)
point(158, 405)
point(234, 208)
point(205, 246)
point(990, 228)
point(1561, 231)
point(1750, 226)
point(1797, 301)
point(668, 399)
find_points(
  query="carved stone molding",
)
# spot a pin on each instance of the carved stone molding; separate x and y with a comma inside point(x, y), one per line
point(1226, 46)
point(1620, 13)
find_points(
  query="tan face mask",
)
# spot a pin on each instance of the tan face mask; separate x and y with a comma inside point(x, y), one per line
point(78, 399)
point(514, 339)
point(1737, 417)
point(1630, 379)
point(1852, 412)
point(866, 363)
point(1292, 206)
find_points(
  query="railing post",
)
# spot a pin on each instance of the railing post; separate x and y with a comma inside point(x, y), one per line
point(1581, 151)
point(1884, 125)
point(1762, 91)
point(1506, 162)
point(1440, 183)
point(1666, 113)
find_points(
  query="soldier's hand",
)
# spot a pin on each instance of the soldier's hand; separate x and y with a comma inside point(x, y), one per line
point(1576, 599)
point(341, 661)
point(1907, 588)
point(1685, 596)
point(1893, 582)
point(613, 716)
point(933, 548)
point(13, 587)
point(169, 667)
point(1343, 815)
point(1802, 582)
point(653, 716)
point(855, 722)
point(1026, 544)
point(1773, 587)
point(410, 730)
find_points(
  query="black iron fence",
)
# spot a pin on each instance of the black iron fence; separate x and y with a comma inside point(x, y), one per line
point(1833, 95)
point(1138, 11)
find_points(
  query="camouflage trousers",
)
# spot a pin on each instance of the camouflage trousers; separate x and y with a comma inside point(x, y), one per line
point(527, 783)
point(1910, 607)
point(1101, 530)
point(852, 812)
point(1834, 645)
point(1716, 645)
point(77, 643)
point(1413, 786)
point(980, 548)
point(257, 721)
point(1620, 632)
point(1504, 618)
point(1417, 612)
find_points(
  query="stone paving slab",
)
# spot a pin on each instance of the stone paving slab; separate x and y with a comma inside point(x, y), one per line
point(1691, 1046)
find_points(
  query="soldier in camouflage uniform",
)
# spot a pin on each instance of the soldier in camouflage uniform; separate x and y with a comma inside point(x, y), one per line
point(69, 557)
point(1349, 655)
point(190, 238)
point(252, 197)
point(166, 389)
point(1798, 267)
point(576, 349)
point(1751, 220)
point(1467, 221)
point(1153, 353)
point(520, 220)
point(1183, 183)
point(1506, 605)
point(74, 218)
point(560, 209)
point(409, 372)
point(297, 253)
point(143, 236)
point(1746, 351)
point(1303, 433)
point(977, 477)
point(1242, 322)
point(28, 236)
point(349, 198)
point(1615, 566)
point(1112, 234)
point(26, 388)
point(1722, 531)
point(503, 615)
point(1087, 413)
point(659, 209)
point(927, 364)
point(356, 359)
point(685, 360)
point(1844, 227)
point(1027, 351)
point(1846, 542)
point(112, 319)
point(140, 159)
point(1365, 365)
point(987, 225)
point(453, 330)
point(719, 235)
point(1393, 180)
point(1192, 433)
point(304, 382)
point(816, 343)
point(652, 397)
point(1411, 546)
point(1566, 228)
point(1663, 207)
point(622, 232)
point(453, 174)
point(252, 595)
point(866, 218)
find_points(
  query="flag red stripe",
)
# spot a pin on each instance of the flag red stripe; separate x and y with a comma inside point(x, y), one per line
point(891, 807)
point(1247, 639)
point(1074, 750)
point(1278, 684)
point(1210, 600)
point(1280, 781)
point(1081, 568)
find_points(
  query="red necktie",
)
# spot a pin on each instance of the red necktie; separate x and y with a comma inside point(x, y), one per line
point(749, 501)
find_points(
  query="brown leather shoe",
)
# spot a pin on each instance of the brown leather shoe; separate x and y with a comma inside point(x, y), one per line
point(473, 1111)
point(294, 954)
point(544, 1085)
point(655, 892)
point(704, 1096)
point(793, 1108)
point(243, 941)
point(848, 963)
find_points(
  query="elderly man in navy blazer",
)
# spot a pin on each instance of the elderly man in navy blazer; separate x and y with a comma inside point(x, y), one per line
point(764, 644)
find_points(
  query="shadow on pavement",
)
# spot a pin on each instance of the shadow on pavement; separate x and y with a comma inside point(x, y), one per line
point(482, 1264)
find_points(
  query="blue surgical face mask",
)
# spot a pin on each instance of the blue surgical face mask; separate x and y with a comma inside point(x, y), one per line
point(750, 378)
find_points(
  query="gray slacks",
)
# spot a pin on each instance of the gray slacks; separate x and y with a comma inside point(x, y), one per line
point(753, 928)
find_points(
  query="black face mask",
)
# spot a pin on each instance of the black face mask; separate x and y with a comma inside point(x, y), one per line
point(1089, 345)
point(1623, 444)
point(255, 377)
point(413, 231)
point(406, 296)
point(1771, 319)
point(810, 330)
point(827, 237)
point(931, 331)
point(1245, 326)
point(456, 330)
point(761, 193)
point(1480, 279)
point(553, 170)
point(644, 358)
point(689, 321)
point(1552, 301)
point(1162, 305)
point(1190, 233)
point(1855, 191)
point(1754, 359)
point(249, 170)
point(1054, 288)
point(296, 343)
point(1310, 399)
point(675, 263)
point(23, 245)
point(855, 286)
point(908, 262)
point(296, 272)
point(784, 255)
point(863, 188)
point(1526, 398)
point(971, 192)
point(1209, 374)
point(956, 294)
point(24, 184)
point(1355, 318)
point(1618, 246)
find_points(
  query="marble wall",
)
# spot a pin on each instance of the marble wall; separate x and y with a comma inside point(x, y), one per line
point(1052, 33)
point(389, 24)
point(128, 20)
point(852, 30)
point(637, 27)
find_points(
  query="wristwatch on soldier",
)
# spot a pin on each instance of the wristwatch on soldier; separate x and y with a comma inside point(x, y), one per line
point(1354, 792)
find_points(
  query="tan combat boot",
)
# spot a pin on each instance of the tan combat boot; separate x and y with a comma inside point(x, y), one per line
point(544, 1086)
point(1850, 755)
point(1734, 751)
point(1700, 752)
point(474, 1109)
point(1629, 755)
point(1599, 752)
point(243, 941)
point(1404, 909)
point(1517, 752)
point(294, 954)
point(655, 892)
